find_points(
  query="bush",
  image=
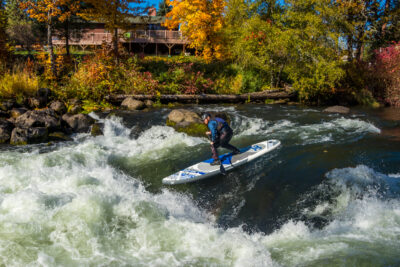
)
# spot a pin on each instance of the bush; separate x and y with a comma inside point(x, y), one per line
point(18, 85)
point(387, 70)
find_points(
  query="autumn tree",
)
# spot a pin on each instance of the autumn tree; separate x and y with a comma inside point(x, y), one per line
point(21, 29)
point(202, 22)
point(3, 37)
point(49, 11)
point(114, 14)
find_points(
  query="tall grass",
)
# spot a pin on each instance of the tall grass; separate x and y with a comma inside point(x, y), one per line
point(18, 84)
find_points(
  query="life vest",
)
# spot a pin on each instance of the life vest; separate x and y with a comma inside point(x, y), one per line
point(222, 124)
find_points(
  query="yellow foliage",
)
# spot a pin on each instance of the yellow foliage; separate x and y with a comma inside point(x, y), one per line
point(46, 10)
point(201, 21)
point(18, 84)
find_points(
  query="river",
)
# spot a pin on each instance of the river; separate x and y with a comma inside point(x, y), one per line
point(329, 195)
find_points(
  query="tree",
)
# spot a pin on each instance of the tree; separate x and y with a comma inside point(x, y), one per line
point(163, 8)
point(49, 11)
point(297, 43)
point(114, 14)
point(202, 22)
point(3, 37)
point(21, 29)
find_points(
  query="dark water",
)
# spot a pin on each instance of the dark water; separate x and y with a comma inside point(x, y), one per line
point(329, 195)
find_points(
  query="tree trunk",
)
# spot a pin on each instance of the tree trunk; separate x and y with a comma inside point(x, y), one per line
point(50, 44)
point(385, 12)
point(209, 98)
point(115, 46)
point(67, 36)
point(350, 47)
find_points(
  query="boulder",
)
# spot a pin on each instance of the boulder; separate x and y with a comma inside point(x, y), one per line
point(4, 114)
point(37, 102)
point(23, 136)
point(16, 112)
point(58, 106)
point(186, 121)
point(97, 129)
point(6, 128)
point(183, 116)
point(44, 93)
point(7, 105)
point(337, 109)
point(149, 103)
point(75, 106)
point(39, 118)
point(59, 136)
point(75, 109)
point(132, 104)
point(79, 122)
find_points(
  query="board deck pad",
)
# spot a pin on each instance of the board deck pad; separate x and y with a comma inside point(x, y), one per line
point(204, 169)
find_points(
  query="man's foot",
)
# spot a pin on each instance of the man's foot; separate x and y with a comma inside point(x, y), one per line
point(236, 152)
point(215, 162)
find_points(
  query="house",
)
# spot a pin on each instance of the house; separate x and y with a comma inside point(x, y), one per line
point(147, 36)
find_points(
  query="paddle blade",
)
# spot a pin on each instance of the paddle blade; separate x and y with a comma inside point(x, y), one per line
point(222, 169)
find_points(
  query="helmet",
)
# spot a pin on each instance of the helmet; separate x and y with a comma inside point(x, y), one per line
point(205, 116)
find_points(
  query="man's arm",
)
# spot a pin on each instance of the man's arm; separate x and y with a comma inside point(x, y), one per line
point(212, 125)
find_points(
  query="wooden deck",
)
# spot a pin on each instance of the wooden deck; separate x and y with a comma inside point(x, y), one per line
point(139, 36)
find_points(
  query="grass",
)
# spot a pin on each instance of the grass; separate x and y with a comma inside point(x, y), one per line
point(18, 84)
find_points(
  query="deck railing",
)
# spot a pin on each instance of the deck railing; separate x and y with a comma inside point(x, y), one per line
point(150, 36)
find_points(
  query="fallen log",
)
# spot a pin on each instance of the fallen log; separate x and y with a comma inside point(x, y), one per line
point(209, 98)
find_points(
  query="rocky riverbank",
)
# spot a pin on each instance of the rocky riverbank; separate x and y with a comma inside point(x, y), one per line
point(38, 120)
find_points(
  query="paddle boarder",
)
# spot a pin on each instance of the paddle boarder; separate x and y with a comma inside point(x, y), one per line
point(220, 134)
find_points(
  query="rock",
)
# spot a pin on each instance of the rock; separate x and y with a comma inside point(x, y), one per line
point(337, 109)
point(132, 104)
point(186, 121)
point(39, 118)
point(23, 136)
point(44, 93)
point(75, 109)
point(4, 114)
point(59, 136)
point(97, 129)
point(5, 131)
point(7, 105)
point(281, 101)
point(75, 101)
point(183, 115)
point(37, 102)
point(79, 123)
point(149, 103)
point(58, 106)
point(75, 106)
point(16, 112)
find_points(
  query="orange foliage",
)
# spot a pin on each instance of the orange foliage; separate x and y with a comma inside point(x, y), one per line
point(201, 21)
point(46, 10)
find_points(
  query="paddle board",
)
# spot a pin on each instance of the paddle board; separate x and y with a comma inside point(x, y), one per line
point(204, 169)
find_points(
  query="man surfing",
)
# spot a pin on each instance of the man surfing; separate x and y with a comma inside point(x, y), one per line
point(220, 134)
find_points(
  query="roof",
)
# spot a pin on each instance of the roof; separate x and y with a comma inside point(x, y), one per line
point(147, 19)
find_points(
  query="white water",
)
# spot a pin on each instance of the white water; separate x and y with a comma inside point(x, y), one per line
point(69, 207)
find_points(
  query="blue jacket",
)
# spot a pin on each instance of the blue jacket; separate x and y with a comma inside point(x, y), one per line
point(216, 125)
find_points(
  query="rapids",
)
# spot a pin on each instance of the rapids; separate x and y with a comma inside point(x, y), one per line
point(330, 195)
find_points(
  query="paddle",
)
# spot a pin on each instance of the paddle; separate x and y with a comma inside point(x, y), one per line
point(221, 167)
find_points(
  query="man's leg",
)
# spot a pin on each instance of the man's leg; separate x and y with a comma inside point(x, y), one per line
point(226, 136)
point(214, 150)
